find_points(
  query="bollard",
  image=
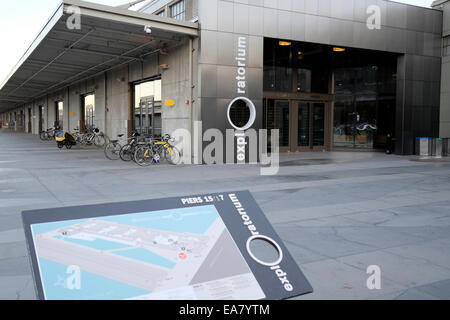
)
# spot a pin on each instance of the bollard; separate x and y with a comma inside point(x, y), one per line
point(423, 147)
point(446, 148)
point(436, 149)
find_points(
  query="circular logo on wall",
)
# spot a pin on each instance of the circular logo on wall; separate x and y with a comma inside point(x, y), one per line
point(241, 113)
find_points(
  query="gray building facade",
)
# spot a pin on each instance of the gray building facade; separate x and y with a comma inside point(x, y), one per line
point(414, 33)
point(327, 73)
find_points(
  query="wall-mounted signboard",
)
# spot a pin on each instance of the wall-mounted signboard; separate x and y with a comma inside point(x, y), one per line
point(184, 248)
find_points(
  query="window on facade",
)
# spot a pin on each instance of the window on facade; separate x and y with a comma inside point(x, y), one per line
point(88, 123)
point(304, 77)
point(147, 107)
point(161, 13)
point(177, 11)
point(365, 99)
point(303, 65)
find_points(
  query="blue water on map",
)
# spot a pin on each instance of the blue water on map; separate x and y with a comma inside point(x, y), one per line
point(193, 220)
point(52, 226)
point(98, 244)
point(146, 256)
point(92, 286)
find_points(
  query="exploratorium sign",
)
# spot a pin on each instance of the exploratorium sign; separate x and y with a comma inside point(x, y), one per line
point(203, 247)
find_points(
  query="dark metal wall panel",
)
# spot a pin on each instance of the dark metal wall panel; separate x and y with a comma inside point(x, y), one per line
point(411, 31)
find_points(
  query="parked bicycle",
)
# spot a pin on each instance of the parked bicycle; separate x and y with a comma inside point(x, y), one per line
point(77, 134)
point(128, 150)
point(153, 151)
point(112, 149)
point(91, 137)
point(144, 155)
point(49, 134)
point(94, 137)
point(167, 149)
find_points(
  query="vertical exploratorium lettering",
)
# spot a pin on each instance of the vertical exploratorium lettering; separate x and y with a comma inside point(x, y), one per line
point(241, 59)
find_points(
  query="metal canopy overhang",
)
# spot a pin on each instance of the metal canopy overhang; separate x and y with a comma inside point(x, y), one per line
point(109, 37)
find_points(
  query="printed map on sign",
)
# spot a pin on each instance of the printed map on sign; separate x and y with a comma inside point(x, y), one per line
point(182, 254)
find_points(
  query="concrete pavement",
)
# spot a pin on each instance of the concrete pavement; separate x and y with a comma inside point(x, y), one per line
point(338, 212)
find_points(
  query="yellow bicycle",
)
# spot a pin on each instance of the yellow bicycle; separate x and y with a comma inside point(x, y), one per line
point(152, 152)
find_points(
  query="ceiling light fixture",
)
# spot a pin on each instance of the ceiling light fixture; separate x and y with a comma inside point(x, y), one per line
point(337, 49)
point(148, 29)
point(284, 43)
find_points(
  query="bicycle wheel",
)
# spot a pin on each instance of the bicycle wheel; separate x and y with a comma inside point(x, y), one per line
point(89, 140)
point(77, 137)
point(43, 136)
point(112, 151)
point(172, 155)
point(127, 153)
point(158, 153)
point(144, 156)
point(99, 141)
point(107, 139)
point(83, 139)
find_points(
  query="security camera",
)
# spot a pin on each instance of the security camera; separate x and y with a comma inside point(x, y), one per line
point(147, 29)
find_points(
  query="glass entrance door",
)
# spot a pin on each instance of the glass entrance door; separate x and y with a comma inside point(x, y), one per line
point(304, 115)
point(355, 124)
point(301, 124)
point(310, 125)
point(318, 125)
point(283, 123)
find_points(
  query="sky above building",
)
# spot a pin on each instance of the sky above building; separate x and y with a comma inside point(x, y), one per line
point(21, 21)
